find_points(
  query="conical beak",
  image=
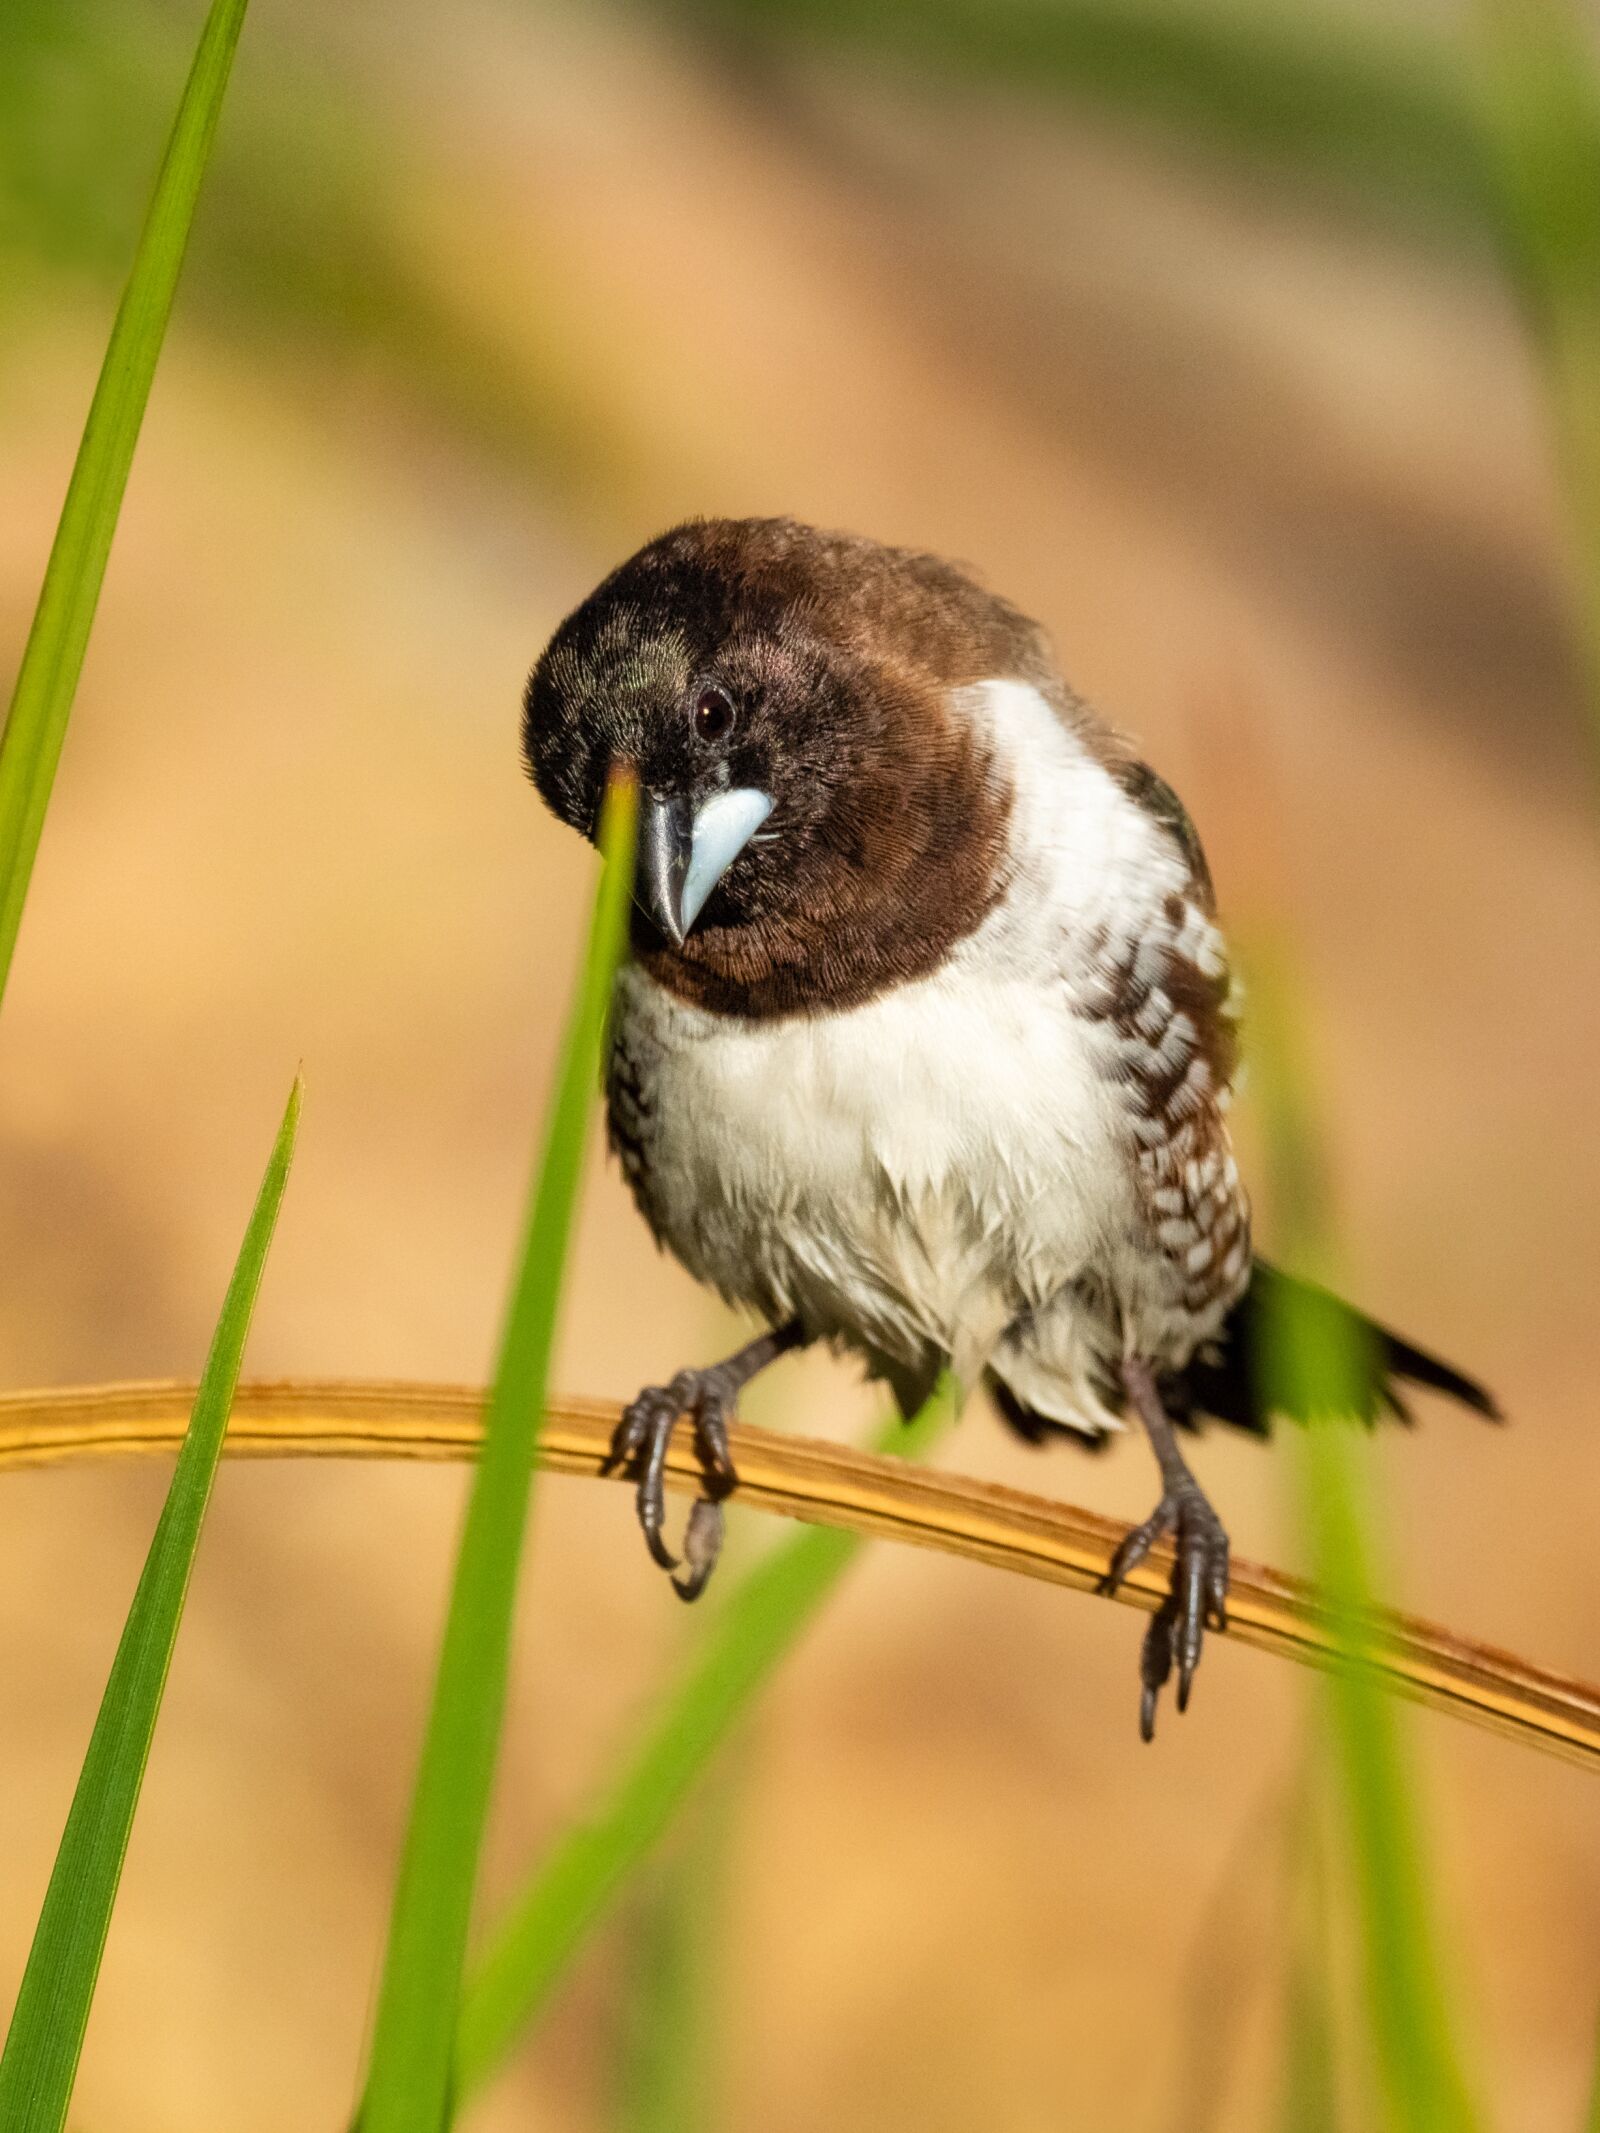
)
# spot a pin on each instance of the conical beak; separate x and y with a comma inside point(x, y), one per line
point(682, 857)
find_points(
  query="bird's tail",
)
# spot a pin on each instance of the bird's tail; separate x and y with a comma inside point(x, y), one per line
point(1240, 1378)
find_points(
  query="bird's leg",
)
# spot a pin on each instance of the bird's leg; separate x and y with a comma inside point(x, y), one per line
point(1199, 1587)
point(645, 1434)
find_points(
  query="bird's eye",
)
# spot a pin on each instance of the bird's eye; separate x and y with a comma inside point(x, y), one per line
point(713, 714)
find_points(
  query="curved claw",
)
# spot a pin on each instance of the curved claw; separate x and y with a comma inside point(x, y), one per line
point(1155, 1666)
point(702, 1544)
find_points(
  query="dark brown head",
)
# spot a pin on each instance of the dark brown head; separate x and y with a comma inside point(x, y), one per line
point(817, 820)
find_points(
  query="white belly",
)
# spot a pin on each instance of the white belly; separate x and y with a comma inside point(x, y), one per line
point(910, 1175)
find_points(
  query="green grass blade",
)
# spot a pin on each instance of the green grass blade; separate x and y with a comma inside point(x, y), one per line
point(409, 2073)
point(1324, 1369)
point(753, 1630)
point(41, 2053)
point(47, 680)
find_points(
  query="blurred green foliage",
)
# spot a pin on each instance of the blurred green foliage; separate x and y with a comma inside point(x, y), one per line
point(1376, 102)
point(308, 245)
point(1382, 1859)
point(1541, 106)
point(82, 90)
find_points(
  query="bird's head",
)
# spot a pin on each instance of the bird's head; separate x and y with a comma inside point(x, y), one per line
point(808, 810)
point(741, 725)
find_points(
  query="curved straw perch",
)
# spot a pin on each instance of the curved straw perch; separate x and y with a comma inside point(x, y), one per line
point(824, 1484)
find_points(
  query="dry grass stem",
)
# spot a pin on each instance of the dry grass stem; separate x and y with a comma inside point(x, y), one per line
point(824, 1484)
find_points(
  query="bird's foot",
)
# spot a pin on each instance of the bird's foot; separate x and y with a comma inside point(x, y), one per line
point(1198, 1593)
point(643, 1437)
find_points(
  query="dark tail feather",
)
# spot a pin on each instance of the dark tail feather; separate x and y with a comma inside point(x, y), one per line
point(1238, 1381)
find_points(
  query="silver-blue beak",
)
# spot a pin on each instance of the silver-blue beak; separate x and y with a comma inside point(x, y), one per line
point(682, 857)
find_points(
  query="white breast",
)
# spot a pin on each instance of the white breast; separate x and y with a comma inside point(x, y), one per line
point(915, 1172)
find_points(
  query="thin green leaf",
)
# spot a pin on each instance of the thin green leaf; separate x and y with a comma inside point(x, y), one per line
point(40, 2060)
point(409, 2074)
point(755, 1628)
point(1323, 1366)
point(47, 681)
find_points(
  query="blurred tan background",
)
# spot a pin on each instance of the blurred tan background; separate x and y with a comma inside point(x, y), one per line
point(477, 304)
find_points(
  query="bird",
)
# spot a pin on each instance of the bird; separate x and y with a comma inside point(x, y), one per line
point(925, 1038)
